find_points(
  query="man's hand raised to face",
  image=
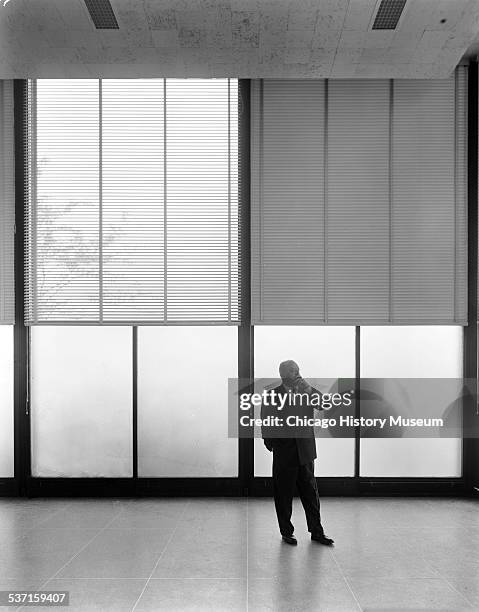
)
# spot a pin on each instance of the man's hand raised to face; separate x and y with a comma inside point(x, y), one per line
point(302, 386)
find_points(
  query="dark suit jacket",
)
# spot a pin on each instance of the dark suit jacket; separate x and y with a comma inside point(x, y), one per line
point(290, 446)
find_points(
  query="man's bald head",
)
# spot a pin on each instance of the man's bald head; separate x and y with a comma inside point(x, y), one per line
point(288, 370)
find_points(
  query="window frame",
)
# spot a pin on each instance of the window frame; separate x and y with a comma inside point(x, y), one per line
point(245, 483)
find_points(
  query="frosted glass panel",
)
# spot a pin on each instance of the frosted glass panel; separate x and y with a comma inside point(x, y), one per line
point(411, 352)
point(183, 401)
point(321, 352)
point(6, 401)
point(414, 457)
point(81, 398)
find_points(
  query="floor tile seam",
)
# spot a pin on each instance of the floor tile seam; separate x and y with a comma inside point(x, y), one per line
point(53, 577)
point(449, 584)
point(99, 531)
point(346, 581)
point(160, 556)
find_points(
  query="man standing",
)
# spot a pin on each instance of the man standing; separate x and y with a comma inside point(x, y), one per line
point(293, 460)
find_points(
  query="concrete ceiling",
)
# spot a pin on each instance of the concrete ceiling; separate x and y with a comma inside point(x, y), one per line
point(472, 51)
point(236, 38)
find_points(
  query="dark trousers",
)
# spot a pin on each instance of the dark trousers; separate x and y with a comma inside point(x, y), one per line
point(285, 478)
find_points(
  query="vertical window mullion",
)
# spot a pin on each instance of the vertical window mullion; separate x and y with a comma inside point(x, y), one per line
point(135, 400)
point(229, 202)
point(391, 267)
point(325, 196)
point(100, 198)
point(165, 210)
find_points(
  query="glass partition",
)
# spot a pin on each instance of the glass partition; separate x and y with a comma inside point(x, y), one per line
point(411, 352)
point(183, 401)
point(321, 352)
point(6, 402)
point(81, 401)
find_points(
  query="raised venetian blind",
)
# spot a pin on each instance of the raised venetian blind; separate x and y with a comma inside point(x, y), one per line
point(358, 201)
point(133, 209)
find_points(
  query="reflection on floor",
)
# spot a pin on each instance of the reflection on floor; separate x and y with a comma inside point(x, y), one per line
point(226, 554)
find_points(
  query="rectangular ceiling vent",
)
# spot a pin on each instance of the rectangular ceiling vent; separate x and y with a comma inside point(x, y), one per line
point(388, 15)
point(102, 15)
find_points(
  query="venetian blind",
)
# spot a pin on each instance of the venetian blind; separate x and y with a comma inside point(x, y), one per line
point(358, 201)
point(133, 214)
point(7, 204)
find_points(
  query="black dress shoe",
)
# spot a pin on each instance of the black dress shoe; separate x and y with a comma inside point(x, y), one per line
point(322, 539)
point(290, 540)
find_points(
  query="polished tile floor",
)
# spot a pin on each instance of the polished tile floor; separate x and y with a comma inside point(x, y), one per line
point(226, 554)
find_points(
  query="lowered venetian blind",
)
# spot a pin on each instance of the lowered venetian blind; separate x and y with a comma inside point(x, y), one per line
point(429, 236)
point(7, 204)
point(133, 214)
point(287, 203)
point(358, 201)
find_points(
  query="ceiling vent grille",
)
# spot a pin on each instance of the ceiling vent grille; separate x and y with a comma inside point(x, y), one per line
point(102, 14)
point(388, 15)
